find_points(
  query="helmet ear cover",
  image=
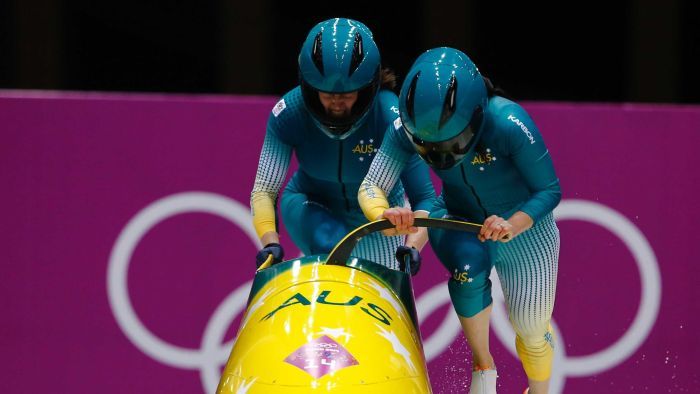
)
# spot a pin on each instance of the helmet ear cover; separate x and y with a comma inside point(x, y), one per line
point(443, 155)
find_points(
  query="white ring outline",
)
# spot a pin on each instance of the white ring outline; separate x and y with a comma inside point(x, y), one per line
point(649, 274)
point(117, 272)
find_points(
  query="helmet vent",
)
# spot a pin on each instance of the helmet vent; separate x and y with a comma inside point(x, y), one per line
point(357, 54)
point(450, 104)
point(317, 53)
point(410, 97)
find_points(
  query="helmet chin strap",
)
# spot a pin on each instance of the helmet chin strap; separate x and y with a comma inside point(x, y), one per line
point(335, 132)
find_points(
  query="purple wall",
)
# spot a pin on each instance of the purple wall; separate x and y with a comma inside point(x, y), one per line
point(127, 248)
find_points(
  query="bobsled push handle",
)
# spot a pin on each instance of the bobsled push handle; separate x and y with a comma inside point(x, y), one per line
point(340, 254)
point(267, 263)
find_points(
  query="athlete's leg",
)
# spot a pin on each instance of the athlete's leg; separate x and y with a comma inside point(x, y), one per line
point(476, 331)
point(467, 259)
point(527, 267)
point(311, 225)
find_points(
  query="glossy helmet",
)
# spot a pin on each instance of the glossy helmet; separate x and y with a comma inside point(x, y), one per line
point(339, 56)
point(441, 104)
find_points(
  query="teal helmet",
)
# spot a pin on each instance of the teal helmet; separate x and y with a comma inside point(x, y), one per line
point(339, 56)
point(441, 104)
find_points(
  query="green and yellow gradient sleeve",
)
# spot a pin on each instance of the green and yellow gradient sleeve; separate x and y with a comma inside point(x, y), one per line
point(372, 200)
point(263, 209)
point(272, 169)
point(382, 176)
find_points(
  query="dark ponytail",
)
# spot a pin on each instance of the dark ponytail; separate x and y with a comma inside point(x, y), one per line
point(387, 79)
point(494, 90)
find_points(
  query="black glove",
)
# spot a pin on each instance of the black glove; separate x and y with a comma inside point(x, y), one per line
point(414, 257)
point(273, 249)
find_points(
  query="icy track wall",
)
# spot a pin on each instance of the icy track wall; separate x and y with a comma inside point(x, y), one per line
point(128, 248)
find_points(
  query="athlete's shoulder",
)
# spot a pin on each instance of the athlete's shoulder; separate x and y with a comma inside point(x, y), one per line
point(510, 119)
point(500, 108)
point(290, 106)
point(286, 119)
point(387, 97)
point(387, 105)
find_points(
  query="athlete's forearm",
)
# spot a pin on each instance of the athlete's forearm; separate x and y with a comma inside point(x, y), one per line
point(262, 206)
point(520, 221)
point(372, 200)
point(272, 169)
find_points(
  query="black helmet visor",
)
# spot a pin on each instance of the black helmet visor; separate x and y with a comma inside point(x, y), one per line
point(443, 155)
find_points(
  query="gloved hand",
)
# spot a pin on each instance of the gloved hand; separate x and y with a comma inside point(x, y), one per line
point(414, 257)
point(273, 249)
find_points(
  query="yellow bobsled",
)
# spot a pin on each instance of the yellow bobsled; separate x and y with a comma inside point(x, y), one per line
point(329, 323)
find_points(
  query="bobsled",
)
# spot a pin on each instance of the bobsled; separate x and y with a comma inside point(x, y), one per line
point(331, 323)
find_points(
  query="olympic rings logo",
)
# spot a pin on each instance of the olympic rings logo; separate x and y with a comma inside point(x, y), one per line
point(213, 353)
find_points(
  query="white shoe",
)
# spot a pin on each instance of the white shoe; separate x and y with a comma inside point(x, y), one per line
point(483, 382)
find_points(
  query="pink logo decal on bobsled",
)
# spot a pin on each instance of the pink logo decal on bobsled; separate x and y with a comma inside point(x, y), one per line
point(321, 356)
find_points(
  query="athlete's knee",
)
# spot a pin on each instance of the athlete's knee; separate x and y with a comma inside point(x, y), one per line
point(468, 296)
point(291, 199)
point(326, 235)
point(529, 330)
point(325, 227)
point(535, 344)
